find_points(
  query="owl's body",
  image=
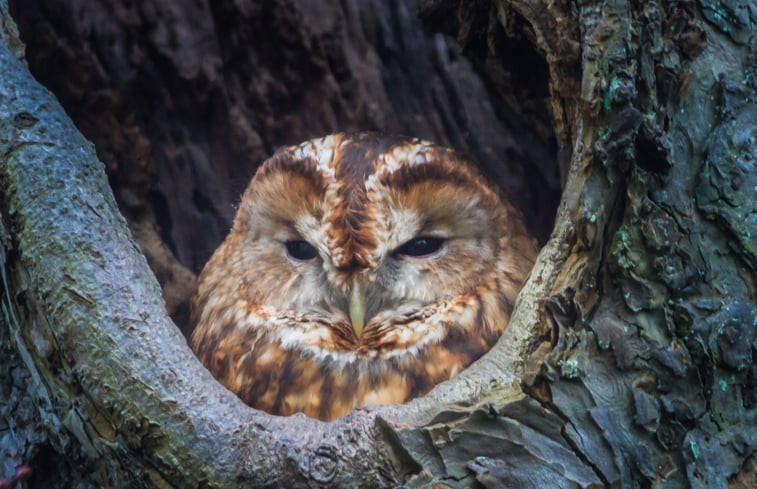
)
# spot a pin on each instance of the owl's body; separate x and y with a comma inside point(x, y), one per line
point(360, 269)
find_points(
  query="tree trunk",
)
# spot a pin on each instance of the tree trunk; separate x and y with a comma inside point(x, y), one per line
point(630, 357)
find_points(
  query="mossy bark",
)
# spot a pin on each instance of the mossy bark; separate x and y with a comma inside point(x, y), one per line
point(630, 358)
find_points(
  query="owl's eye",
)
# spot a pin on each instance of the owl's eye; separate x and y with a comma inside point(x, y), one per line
point(301, 250)
point(420, 247)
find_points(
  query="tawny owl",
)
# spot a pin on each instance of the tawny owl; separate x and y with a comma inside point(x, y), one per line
point(361, 269)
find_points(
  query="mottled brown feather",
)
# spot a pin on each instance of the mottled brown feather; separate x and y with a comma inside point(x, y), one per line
point(276, 330)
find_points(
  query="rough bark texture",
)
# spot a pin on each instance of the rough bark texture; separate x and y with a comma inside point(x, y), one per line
point(630, 358)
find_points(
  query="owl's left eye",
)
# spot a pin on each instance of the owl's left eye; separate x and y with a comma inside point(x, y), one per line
point(301, 250)
point(421, 246)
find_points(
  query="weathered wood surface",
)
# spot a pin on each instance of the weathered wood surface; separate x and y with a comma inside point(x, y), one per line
point(629, 361)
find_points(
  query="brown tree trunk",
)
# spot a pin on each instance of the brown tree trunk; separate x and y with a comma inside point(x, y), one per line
point(630, 357)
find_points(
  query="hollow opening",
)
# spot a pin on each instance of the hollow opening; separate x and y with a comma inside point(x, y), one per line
point(183, 103)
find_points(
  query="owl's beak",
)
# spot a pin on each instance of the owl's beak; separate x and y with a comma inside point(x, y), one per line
point(357, 309)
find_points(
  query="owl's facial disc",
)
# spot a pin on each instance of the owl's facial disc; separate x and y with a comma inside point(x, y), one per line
point(365, 242)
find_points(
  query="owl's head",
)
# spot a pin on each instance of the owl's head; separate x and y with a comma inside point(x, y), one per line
point(362, 253)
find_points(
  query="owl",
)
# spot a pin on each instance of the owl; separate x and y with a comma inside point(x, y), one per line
point(360, 269)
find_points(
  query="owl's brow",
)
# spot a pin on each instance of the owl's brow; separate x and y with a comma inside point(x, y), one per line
point(446, 168)
point(283, 162)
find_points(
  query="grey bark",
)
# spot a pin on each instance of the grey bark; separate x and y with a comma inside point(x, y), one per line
point(629, 361)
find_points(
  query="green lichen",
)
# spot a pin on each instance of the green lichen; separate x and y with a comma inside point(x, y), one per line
point(610, 96)
point(569, 368)
point(694, 449)
point(622, 251)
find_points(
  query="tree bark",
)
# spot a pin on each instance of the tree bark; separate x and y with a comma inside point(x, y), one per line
point(630, 357)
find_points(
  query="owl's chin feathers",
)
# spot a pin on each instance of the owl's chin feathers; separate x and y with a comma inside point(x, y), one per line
point(379, 339)
point(327, 384)
point(389, 333)
point(285, 362)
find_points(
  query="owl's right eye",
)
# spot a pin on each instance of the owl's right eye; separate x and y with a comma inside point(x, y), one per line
point(421, 247)
point(301, 250)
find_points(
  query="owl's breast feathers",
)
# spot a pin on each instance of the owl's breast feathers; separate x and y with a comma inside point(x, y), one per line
point(276, 368)
point(277, 331)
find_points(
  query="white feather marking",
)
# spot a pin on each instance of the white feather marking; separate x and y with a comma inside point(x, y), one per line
point(321, 150)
